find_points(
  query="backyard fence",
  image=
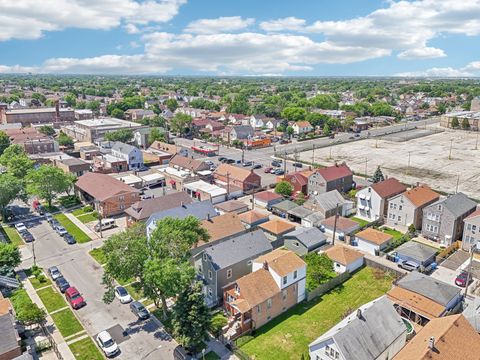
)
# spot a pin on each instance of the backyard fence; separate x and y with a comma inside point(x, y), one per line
point(326, 287)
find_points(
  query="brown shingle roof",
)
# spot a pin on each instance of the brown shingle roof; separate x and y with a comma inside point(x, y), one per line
point(343, 255)
point(454, 338)
point(252, 216)
point(220, 227)
point(474, 214)
point(257, 287)
point(267, 196)
point(235, 172)
point(421, 195)
point(102, 186)
point(388, 188)
point(374, 236)
point(231, 205)
point(188, 163)
point(416, 302)
point(277, 227)
point(143, 209)
point(303, 124)
point(342, 223)
point(335, 172)
point(282, 261)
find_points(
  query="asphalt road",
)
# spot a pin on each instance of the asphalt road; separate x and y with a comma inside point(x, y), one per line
point(146, 339)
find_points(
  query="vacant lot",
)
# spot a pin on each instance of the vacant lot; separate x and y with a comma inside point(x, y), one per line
point(288, 336)
point(429, 159)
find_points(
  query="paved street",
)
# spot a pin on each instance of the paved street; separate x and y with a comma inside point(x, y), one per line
point(147, 340)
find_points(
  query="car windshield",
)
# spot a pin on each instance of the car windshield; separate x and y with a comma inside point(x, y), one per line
point(122, 291)
point(109, 343)
point(75, 296)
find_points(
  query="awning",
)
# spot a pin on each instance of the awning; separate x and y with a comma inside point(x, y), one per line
point(172, 182)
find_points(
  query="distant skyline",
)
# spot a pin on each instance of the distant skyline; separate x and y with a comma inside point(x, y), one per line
point(437, 38)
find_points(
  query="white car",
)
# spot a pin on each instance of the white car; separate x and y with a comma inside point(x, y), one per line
point(122, 294)
point(107, 344)
point(20, 227)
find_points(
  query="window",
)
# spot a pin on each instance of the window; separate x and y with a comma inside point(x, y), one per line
point(284, 280)
point(122, 206)
point(259, 309)
point(474, 227)
point(327, 350)
point(209, 292)
point(296, 244)
point(229, 273)
point(400, 207)
point(205, 256)
point(439, 207)
point(269, 303)
point(284, 294)
point(210, 274)
point(249, 262)
point(337, 265)
point(121, 198)
point(295, 274)
point(399, 218)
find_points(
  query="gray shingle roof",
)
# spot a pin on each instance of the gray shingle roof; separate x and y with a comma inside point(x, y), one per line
point(8, 339)
point(300, 211)
point(458, 204)
point(238, 248)
point(243, 131)
point(122, 147)
point(429, 287)
point(367, 337)
point(311, 238)
point(417, 251)
point(200, 210)
point(329, 200)
point(284, 206)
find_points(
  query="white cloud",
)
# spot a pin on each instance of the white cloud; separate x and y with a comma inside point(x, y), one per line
point(219, 25)
point(28, 19)
point(16, 69)
point(132, 29)
point(470, 70)
point(285, 24)
point(422, 53)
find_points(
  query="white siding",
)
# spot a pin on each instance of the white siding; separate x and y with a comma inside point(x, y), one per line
point(317, 352)
point(367, 246)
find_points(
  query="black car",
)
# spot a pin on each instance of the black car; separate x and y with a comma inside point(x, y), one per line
point(49, 218)
point(247, 163)
point(257, 166)
point(279, 172)
point(62, 284)
point(27, 236)
point(222, 159)
point(69, 239)
point(54, 223)
point(276, 163)
point(138, 309)
point(231, 161)
point(180, 353)
point(297, 164)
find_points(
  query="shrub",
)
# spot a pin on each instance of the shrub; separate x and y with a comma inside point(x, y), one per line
point(218, 322)
point(88, 208)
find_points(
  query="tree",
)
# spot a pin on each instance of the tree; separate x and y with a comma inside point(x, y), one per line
point(47, 130)
point(294, 113)
point(48, 181)
point(171, 104)
point(118, 113)
point(156, 135)
point(378, 175)
point(15, 159)
point(181, 123)
point(465, 124)
point(4, 142)
point(442, 108)
point(300, 199)
point(326, 129)
point(9, 255)
point(319, 269)
point(290, 131)
point(10, 188)
point(284, 188)
point(122, 135)
point(218, 322)
point(455, 124)
point(71, 99)
point(27, 312)
point(191, 318)
point(64, 140)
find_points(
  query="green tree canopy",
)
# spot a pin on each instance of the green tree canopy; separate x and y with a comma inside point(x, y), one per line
point(284, 188)
point(122, 135)
point(10, 188)
point(48, 181)
point(64, 140)
point(47, 130)
point(15, 159)
point(9, 255)
point(4, 142)
point(156, 135)
point(181, 123)
point(171, 104)
point(465, 124)
point(117, 113)
point(378, 175)
point(294, 113)
point(455, 124)
point(319, 269)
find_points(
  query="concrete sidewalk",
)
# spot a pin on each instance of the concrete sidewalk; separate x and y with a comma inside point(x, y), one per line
point(91, 234)
point(58, 338)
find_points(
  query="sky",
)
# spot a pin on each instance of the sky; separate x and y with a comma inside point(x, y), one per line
point(434, 38)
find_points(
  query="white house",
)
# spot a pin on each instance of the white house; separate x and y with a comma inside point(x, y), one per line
point(345, 259)
point(302, 127)
point(372, 241)
point(256, 122)
point(374, 332)
point(131, 154)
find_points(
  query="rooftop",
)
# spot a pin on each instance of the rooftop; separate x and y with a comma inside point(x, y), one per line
point(277, 227)
point(200, 210)
point(231, 205)
point(282, 261)
point(343, 224)
point(102, 186)
point(388, 188)
point(143, 209)
point(252, 216)
point(310, 237)
point(343, 255)
point(335, 172)
point(374, 236)
point(421, 195)
point(222, 226)
point(256, 288)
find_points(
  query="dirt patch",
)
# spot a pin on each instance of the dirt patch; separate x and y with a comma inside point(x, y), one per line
point(419, 172)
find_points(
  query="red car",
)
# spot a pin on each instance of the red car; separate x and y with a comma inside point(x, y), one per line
point(461, 279)
point(74, 298)
point(267, 170)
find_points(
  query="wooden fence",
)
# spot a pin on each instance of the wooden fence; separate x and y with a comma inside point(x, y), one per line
point(326, 287)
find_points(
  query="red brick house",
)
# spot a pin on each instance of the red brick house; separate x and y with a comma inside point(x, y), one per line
point(243, 178)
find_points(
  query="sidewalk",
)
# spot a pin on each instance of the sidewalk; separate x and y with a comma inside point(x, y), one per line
point(91, 234)
point(218, 348)
point(59, 340)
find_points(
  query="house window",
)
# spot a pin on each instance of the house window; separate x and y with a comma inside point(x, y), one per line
point(284, 280)
point(249, 262)
point(399, 218)
point(469, 227)
point(474, 227)
point(229, 273)
point(210, 274)
point(400, 207)
point(122, 206)
point(284, 294)
point(269, 303)
point(337, 264)
point(205, 256)
point(295, 273)
point(296, 244)
point(259, 309)
point(327, 350)
point(209, 292)
point(439, 207)
point(122, 198)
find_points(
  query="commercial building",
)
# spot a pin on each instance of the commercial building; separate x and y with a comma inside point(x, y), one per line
point(94, 129)
point(28, 117)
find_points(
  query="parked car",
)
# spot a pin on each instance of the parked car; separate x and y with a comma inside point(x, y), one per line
point(69, 239)
point(48, 217)
point(106, 224)
point(247, 163)
point(60, 230)
point(357, 135)
point(74, 298)
point(276, 163)
point(138, 309)
point(27, 236)
point(297, 164)
point(54, 272)
point(284, 141)
point(209, 162)
point(279, 172)
point(408, 265)
point(267, 170)
point(230, 161)
point(461, 279)
point(122, 294)
point(180, 353)
point(257, 166)
point(20, 227)
point(107, 344)
point(54, 223)
point(62, 284)
point(222, 159)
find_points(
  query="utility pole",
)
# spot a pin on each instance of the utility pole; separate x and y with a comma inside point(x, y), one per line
point(253, 200)
point(330, 156)
point(228, 185)
point(450, 152)
point(408, 167)
point(469, 268)
point(335, 224)
point(243, 156)
point(313, 155)
point(285, 164)
point(456, 187)
point(366, 173)
point(476, 142)
point(33, 251)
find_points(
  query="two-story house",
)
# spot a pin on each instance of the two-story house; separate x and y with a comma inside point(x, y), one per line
point(243, 178)
point(443, 220)
point(131, 154)
point(240, 132)
point(276, 284)
point(471, 231)
point(372, 201)
point(220, 264)
point(406, 208)
point(337, 177)
point(302, 127)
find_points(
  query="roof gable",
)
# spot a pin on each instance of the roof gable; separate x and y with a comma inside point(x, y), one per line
point(389, 187)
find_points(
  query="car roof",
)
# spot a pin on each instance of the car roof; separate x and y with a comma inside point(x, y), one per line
point(53, 268)
point(137, 304)
point(72, 290)
point(104, 335)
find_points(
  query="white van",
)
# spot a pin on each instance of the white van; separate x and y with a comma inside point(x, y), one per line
point(106, 224)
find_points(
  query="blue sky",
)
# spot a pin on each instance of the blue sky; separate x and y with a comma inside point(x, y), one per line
point(267, 37)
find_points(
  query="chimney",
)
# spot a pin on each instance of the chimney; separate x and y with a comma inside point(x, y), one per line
point(208, 217)
point(265, 265)
point(57, 110)
point(431, 343)
point(359, 314)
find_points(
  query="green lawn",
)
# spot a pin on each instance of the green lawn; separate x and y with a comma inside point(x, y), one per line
point(98, 255)
point(288, 335)
point(135, 291)
point(360, 221)
point(51, 299)
point(85, 349)
point(89, 217)
point(212, 356)
point(73, 229)
point(13, 235)
point(396, 234)
point(66, 322)
point(37, 284)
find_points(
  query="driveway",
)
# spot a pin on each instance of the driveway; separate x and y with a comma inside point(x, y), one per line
point(144, 340)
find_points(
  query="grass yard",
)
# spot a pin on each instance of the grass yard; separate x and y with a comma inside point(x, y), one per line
point(66, 322)
point(212, 356)
point(37, 284)
point(85, 349)
point(135, 291)
point(89, 217)
point(396, 234)
point(73, 229)
point(13, 236)
point(51, 299)
point(361, 222)
point(98, 255)
point(288, 335)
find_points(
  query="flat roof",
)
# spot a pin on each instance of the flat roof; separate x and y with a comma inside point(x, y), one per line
point(129, 179)
point(153, 176)
point(107, 122)
point(35, 110)
point(201, 185)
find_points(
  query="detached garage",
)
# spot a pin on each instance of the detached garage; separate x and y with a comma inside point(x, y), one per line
point(372, 241)
point(345, 259)
point(420, 254)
